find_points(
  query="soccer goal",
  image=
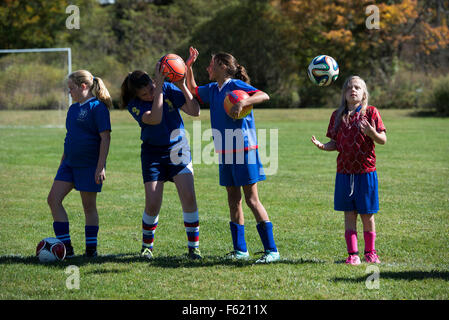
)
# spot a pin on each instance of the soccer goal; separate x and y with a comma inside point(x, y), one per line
point(34, 79)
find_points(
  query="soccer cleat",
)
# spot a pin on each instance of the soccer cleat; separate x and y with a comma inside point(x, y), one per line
point(194, 254)
point(269, 257)
point(146, 253)
point(91, 253)
point(353, 259)
point(372, 257)
point(69, 253)
point(237, 255)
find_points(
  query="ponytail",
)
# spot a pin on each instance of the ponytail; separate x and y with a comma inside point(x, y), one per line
point(233, 69)
point(125, 94)
point(100, 91)
point(242, 74)
point(96, 85)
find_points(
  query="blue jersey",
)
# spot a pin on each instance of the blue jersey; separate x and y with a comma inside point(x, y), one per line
point(171, 128)
point(230, 135)
point(84, 123)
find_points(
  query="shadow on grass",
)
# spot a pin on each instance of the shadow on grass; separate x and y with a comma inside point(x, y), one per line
point(426, 114)
point(161, 261)
point(77, 260)
point(402, 275)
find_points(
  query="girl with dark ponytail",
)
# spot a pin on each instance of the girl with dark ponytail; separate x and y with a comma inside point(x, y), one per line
point(236, 142)
point(165, 152)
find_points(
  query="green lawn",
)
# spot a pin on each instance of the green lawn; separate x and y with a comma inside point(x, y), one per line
point(412, 225)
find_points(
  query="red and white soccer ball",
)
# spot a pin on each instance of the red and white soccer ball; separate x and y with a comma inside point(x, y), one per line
point(232, 98)
point(50, 249)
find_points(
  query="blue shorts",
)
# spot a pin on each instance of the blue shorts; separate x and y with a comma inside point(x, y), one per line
point(158, 165)
point(240, 169)
point(356, 192)
point(82, 177)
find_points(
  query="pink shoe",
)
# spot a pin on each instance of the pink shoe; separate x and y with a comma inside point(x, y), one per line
point(353, 259)
point(372, 257)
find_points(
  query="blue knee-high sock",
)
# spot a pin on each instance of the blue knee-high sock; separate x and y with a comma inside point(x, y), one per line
point(238, 236)
point(91, 234)
point(265, 229)
point(62, 232)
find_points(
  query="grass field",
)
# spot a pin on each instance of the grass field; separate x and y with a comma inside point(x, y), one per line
point(412, 225)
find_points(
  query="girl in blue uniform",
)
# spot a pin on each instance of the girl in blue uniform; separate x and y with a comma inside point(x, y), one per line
point(236, 142)
point(83, 161)
point(165, 152)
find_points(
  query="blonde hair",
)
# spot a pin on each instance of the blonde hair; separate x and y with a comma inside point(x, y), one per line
point(341, 111)
point(96, 85)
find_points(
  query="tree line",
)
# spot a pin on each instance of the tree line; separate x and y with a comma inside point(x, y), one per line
point(400, 57)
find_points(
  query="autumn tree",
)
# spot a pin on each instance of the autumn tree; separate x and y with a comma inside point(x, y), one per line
point(31, 24)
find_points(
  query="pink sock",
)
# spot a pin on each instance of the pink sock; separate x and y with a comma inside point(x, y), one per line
point(351, 241)
point(370, 239)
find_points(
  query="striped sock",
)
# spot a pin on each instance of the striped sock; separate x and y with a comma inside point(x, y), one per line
point(265, 229)
point(62, 232)
point(192, 225)
point(91, 235)
point(149, 224)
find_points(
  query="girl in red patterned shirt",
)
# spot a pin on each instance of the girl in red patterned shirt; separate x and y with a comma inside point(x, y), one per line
point(354, 128)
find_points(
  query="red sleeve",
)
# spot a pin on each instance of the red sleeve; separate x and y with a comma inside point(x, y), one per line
point(375, 115)
point(331, 134)
point(197, 94)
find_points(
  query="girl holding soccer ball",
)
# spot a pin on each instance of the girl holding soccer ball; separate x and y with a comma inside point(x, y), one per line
point(83, 162)
point(236, 142)
point(354, 129)
point(165, 152)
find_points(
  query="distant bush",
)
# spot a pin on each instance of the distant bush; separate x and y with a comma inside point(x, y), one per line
point(437, 97)
point(403, 90)
point(32, 85)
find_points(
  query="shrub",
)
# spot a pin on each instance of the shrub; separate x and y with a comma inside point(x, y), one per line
point(32, 85)
point(438, 96)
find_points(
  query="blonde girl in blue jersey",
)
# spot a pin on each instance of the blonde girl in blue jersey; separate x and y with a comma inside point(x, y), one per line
point(240, 167)
point(83, 161)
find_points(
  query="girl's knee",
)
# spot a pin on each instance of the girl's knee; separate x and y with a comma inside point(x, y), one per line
point(53, 201)
point(189, 199)
point(251, 204)
point(152, 208)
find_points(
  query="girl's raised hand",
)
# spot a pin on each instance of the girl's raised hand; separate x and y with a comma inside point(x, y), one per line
point(317, 143)
point(158, 76)
point(193, 56)
point(180, 83)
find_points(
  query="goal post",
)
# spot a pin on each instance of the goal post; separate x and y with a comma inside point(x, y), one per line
point(67, 50)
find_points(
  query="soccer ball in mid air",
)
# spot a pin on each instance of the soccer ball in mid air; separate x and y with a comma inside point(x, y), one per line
point(323, 70)
point(50, 249)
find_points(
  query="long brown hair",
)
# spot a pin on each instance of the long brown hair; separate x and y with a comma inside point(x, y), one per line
point(134, 81)
point(341, 111)
point(96, 85)
point(233, 68)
